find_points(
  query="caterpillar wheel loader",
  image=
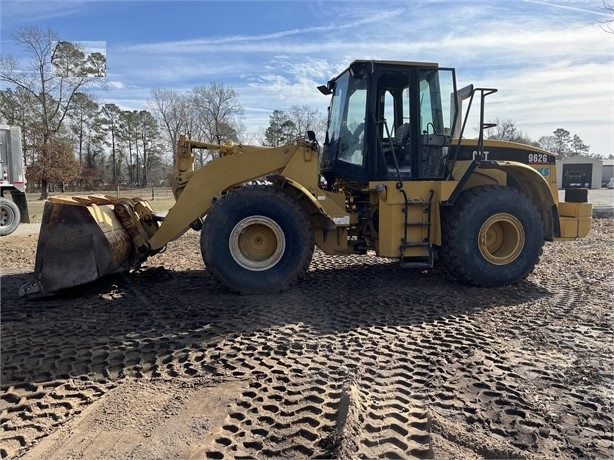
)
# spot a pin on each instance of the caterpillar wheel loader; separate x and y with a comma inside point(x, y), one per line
point(394, 176)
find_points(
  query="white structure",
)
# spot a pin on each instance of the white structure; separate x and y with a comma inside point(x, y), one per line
point(607, 171)
point(582, 172)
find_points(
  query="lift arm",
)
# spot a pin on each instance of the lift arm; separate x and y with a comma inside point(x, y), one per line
point(196, 191)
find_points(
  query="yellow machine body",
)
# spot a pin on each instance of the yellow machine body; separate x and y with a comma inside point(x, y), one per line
point(426, 205)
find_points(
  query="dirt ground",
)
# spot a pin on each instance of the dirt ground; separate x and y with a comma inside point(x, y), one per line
point(361, 359)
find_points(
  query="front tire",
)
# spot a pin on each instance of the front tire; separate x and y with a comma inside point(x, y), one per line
point(9, 216)
point(492, 236)
point(257, 239)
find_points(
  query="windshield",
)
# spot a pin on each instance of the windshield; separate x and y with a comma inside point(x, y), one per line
point(347, 118)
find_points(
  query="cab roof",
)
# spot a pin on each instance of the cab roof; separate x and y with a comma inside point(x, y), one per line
point(365, 64)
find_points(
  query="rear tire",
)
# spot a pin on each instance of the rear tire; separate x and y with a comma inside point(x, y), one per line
point(257, 239)
point(492, 236)
point(9, 216)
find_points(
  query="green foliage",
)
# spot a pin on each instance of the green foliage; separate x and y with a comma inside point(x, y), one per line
point(561, 142)
point(281, 129)
point(564, 144)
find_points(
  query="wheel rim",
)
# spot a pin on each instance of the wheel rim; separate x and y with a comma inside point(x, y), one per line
point(257, 243)
point(501, 239)
point(6, 216)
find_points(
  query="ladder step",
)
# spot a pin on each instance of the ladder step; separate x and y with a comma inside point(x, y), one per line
point(419, 203)
point(424, 261)
point(417, 224)
point(415, 245)
point(416, 264)
point(418, 261)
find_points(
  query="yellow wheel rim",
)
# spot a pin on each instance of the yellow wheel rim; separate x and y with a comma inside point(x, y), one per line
point(501, 239)
point(257, 243)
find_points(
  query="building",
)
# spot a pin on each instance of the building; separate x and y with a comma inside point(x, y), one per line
point(607, 171)
point(583, 172)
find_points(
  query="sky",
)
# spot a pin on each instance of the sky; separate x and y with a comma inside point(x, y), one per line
point(551, 60)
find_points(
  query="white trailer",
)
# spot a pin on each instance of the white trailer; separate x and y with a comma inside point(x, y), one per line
point(13, 210)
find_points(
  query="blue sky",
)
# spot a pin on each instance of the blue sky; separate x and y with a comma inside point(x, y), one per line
point(551, 60)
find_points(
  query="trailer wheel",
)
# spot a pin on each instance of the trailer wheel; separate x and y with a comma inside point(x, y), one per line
point(492, 236)
point(9, 216)
point(257, 239)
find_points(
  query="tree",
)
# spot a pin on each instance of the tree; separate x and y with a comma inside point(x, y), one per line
point(578, 147)
point(285, 126)
point(547, 143)
point(56, 72)
point(83, 114)
point(562, 140)
point(564, 144)
point(607, 25)
point(58, 165)
point(218, 111)
point(507, 131)
point(306, 118)
point(171, 111)
point(15, 106)
point(280, 131)
point(96, 65)
point(129, 136)
point(148, 134)
point(111, 118)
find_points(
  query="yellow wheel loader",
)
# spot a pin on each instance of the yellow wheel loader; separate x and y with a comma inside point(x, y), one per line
point(393, 176)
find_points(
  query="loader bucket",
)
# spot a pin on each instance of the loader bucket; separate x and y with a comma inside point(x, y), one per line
point(79, 242)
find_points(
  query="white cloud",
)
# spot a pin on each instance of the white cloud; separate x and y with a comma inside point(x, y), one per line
point(28, 12)
point(116, 84)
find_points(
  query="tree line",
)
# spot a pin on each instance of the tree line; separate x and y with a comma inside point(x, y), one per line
point(561, 141)
point(71, 138)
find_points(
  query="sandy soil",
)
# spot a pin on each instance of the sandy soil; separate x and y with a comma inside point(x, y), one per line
point(361, 359)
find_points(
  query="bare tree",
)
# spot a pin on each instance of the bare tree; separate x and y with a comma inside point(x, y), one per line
point(547, 143)
point(210, 113)
point(56, 72)
point(306, 118)
point(219, 111)
point(171, 111)
point(507, 131)
point(607, 25)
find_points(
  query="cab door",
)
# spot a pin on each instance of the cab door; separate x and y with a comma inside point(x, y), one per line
point(437, 116)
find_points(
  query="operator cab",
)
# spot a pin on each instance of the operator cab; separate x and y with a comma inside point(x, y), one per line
point(389, 121)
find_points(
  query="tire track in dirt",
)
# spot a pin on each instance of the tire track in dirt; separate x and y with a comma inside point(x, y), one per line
point(361, 359)
point(29, 412)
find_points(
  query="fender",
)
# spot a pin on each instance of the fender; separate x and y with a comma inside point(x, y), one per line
point(523, 177)
point(330, 205)
point(535, 186)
